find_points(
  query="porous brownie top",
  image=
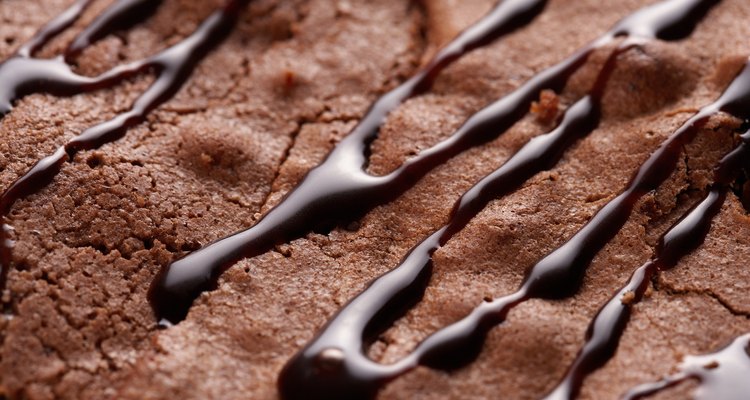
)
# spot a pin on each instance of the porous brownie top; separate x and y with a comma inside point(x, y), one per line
point(222, 132)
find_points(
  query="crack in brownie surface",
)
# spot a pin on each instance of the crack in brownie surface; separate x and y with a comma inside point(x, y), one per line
point(236, 138)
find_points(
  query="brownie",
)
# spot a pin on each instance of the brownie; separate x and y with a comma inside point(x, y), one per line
point(265, 106)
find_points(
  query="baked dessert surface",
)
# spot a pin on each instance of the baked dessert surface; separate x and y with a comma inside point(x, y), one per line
point(264, 108)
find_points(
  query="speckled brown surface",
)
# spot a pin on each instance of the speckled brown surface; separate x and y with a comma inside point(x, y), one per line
point(266, 107)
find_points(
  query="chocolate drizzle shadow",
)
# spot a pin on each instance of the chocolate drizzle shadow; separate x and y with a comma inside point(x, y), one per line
point(722, 375)
point(608, 326)
point(339, 189)
point(334, 363)
point(22, 74)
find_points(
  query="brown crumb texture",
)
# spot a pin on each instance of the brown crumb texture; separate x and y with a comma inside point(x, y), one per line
point(547, 108)
point(266, 106)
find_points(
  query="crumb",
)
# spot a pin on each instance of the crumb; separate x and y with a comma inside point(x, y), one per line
point(628, 298)
point(711, 365)
point(206, 159)
point(547, 108)
point(289, 81)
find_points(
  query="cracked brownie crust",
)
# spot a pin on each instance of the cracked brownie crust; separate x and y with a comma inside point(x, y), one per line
point(266, 106)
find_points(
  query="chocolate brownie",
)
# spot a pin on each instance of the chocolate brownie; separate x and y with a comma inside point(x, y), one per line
point(167, 127)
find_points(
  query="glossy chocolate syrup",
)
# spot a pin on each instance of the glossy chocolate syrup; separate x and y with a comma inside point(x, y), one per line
point(334, 364)
point(340, 189)
point(22, 75)
point(53, 28)
point(722, 375)
point(607, 327)
point(121, 15)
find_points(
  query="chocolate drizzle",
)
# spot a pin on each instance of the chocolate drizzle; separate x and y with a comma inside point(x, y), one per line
point(334, 364)
point(121, 15)
point(339, 189)
point(22, 75)
point(722, 375)
point(607, 327)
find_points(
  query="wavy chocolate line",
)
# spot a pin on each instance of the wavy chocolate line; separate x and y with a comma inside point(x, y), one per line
point(334, 363)
point(340, 189)
point(23, 75)
point(722, 375)
point(687, 234)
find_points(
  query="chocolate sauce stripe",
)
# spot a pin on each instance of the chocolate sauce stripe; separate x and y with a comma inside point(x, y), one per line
point(565, 265)
point(53, 28)
point(610, 322)
point(608, 326)
point(120, 15)
point(334, 365)
point(29, 75)
point(341, 340)
point(339, 189)
point(687, 234)
point(348, 183)
point(506, 17)
point(172, 67)
point(722, 374)
point(349, 191)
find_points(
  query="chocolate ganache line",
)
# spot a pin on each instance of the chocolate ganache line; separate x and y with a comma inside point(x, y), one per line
point(119, 16)
point(334, 364)
point(559, 274)
point(22, 75)
point(53, 28)
point(340, 189)
point(341, 345)
point(689, 232)
point(722, 375)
